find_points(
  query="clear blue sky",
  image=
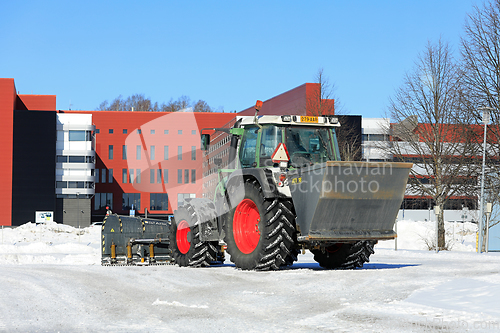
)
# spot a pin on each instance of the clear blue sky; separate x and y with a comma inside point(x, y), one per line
point(228, 53)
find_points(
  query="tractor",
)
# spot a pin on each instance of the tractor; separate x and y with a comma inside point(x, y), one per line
point(284, 189)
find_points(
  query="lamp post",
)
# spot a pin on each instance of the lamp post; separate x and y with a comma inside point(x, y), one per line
point(486, 120)
point(78, 214)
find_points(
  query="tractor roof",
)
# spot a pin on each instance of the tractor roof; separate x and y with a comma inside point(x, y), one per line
point(329, 121)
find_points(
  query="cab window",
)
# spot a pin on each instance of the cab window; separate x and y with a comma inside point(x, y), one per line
point(271, 137)
point(247, 147)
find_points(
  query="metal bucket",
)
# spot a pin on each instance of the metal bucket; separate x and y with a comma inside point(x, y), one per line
point(346, 201)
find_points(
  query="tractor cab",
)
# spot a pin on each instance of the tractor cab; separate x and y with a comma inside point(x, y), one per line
point(307, 141)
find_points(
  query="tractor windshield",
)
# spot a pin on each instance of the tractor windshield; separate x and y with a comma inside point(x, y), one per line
point(309, 145)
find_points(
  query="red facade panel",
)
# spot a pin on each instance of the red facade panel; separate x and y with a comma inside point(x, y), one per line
point(7, 101)
point(290, 102)
point(36, 102)
point(301, 100)
point(151, 141)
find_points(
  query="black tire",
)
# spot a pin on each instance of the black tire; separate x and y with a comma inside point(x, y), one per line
point(345, 256)
point(186, 246)
point(266, 244)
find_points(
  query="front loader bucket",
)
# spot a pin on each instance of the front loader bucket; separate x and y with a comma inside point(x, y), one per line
point(344, 201)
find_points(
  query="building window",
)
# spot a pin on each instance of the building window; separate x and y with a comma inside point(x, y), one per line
point(193, 176)
point(131, 176)
point(96, 177)
point(193, 153)
point(179, 176)
point(193, 132)
point(152, 152)
point(110, 131)
point(165, 176)
point(179, 153)
point(182, 196)
point(152, 132)
point(165, 153)
point(125, 131)
point(158, 176)
point(110, 152)
point(110, 176)
point(186, 176)
point(165, 132)
point(138, 150)
point(78, 135)
point(139, 131)
point(103, 176)
point(179, 132)
point(158, 201)
point(152, 176)
point(77, 159)
point(124, 176)
point(138, 176)
point(101, 200)
point(78, 185)
point(97, 131)
point(124, 152)
point(61, 184)
point(131, 201)
point(62, 159)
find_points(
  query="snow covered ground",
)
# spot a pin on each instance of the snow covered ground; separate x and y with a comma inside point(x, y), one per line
point(51, 281)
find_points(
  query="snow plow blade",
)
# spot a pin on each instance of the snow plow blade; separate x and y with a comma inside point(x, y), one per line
point(346, 201)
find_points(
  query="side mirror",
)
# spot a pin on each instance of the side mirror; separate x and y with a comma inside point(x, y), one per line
point(205, 141)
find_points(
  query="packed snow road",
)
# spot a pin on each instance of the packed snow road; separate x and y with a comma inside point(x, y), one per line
point(398, 291)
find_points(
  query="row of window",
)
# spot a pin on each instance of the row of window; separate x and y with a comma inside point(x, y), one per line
point(158, 176)
point(104, 177)
point(451, 204)
point(152, 152)
point(375, 137)
point(74, 159)
point(139, 131)
point(155, 176)
point(157, 201)
point(217, 145)
point(74, 184)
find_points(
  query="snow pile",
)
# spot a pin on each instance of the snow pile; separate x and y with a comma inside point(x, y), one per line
point(50, 243)
point(54, 243)
point(419, 235)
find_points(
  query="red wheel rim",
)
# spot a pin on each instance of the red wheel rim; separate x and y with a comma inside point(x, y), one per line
point(246, 226)
point(181, 237)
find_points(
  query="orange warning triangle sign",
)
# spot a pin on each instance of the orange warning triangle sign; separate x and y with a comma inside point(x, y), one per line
point(280, 154)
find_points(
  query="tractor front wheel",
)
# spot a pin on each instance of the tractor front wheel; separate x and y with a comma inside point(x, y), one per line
point(259, 232)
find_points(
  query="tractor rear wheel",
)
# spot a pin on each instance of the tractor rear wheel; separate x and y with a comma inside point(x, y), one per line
point(259, 232)
point(185, 244)
point(345, 256)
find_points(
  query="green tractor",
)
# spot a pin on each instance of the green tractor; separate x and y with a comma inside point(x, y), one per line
point(283, 190)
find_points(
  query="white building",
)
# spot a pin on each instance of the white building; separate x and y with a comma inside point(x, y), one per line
point(75, 164)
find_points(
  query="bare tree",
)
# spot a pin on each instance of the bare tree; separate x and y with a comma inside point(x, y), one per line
point(321, 101)
point(429, 128)
point(139, 102)
point(480, 50)
point(201, 106)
